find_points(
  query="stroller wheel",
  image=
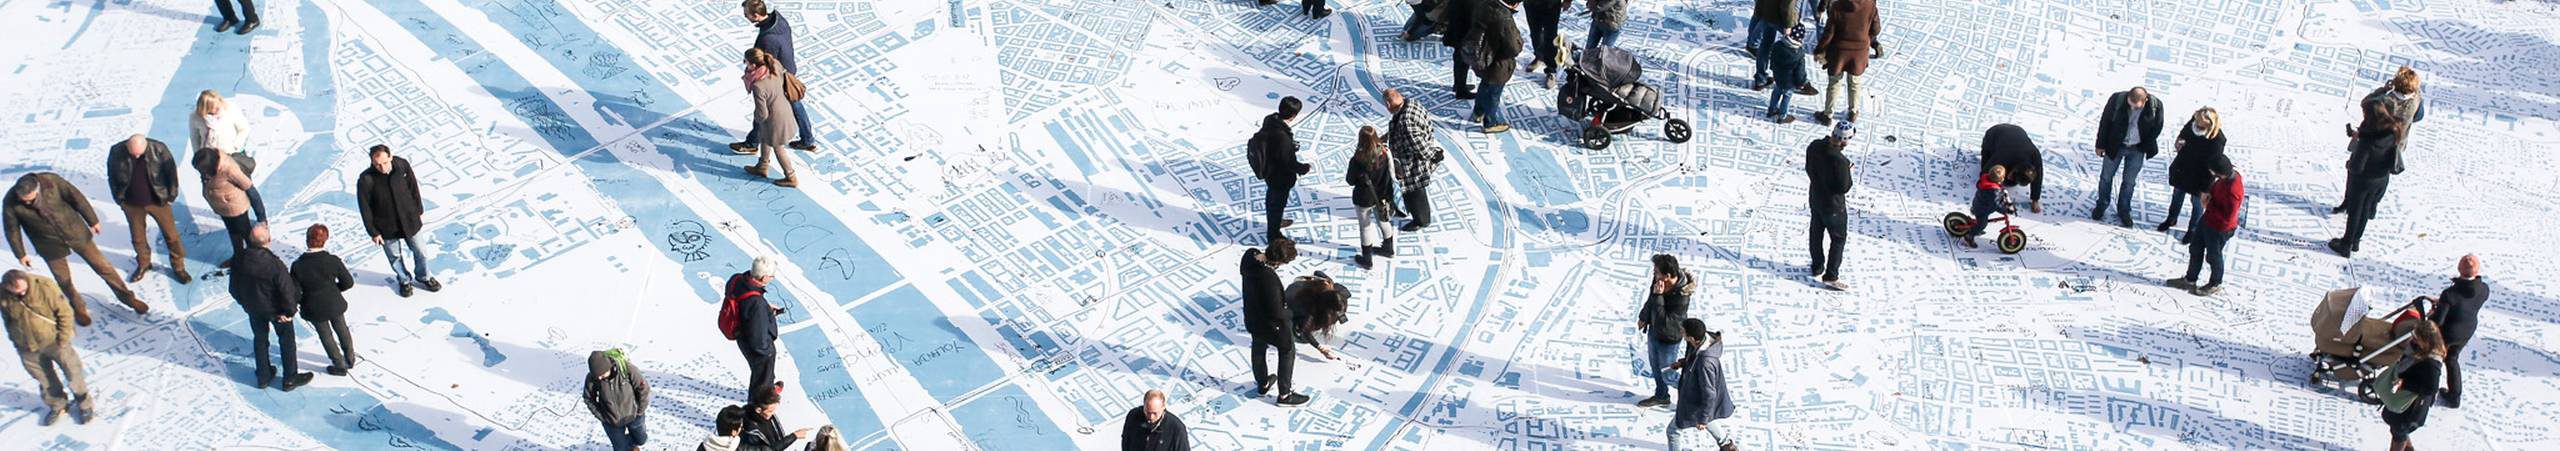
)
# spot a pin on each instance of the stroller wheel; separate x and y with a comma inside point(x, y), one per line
point(1677, 130)
point(2012, 241)
point(1595, 137)
point(1957, 223)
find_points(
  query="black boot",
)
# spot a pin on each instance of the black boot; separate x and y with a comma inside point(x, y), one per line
point(1387, 249)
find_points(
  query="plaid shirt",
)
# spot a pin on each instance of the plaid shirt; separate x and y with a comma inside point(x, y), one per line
point(1417, 154)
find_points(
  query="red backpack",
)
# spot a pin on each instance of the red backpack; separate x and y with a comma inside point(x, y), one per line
point(729, 305)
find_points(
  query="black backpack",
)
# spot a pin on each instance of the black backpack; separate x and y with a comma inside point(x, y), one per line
point(1254, 154)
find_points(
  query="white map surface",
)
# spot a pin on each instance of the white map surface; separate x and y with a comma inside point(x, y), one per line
point(1027, 212)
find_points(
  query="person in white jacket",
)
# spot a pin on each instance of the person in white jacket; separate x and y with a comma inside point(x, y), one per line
point(217, 126)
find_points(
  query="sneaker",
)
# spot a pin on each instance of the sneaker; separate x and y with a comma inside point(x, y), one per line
point(1783, 119)
point(803, 146)
point(1807, 90)
point(225, 26)
point(1823, 118)
point(245, 28)
point(2182, 283)
point(1497, 128)
point(1657, 401)
point(1853, 117)
point(2098, 214)
point(405, 291)
point(1537, 66)
point(755, 170)
point(1262, 388)
point(1292, 400)
point(742, 148)
point(1836, 285)
point(297, 381)
point(2207, 290)
point(2164, 226)
point(431, 285)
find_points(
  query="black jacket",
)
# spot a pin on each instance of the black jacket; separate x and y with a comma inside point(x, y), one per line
point(322, 278)
point(1371, 183)
point(163, 176)
point(774, 36)
point(1266, 313)
point(389, 201)
point(262, 286)
point(1662, 312)
point(1829, 174)
point(1501, 43)
point(1168, 434)
point(2008, 145)
point(2375, 151)
point(1457, 22)
point(2459, 312)
point(756, 325)
point(1280, 150)
point(2192, 170)
point(2111, 125)
point(765, 433)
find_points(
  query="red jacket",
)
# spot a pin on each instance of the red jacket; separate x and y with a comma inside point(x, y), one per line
point(2222, 210)
point(1985, 182)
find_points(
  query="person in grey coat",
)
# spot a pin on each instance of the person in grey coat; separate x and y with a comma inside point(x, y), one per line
point(618, 395)
point(1704, 397)
point(773, 116)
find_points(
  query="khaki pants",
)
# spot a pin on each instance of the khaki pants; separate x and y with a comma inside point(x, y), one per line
point(160, 215)
point(61, 266)
point(52, 367)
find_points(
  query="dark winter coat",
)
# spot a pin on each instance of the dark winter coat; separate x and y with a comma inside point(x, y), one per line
point(1166, 434)
point(1783, 13)
point(1302, 295)
point(1266, 311)
point(1829, 174)
point(323, 279)
point(1662, 312)
point(1851, 36)
point(1457, 22)
point(1372, 181)
point(1280, 150)
point(2459, 312)
point(262, 285)
point(57, 221)
point(765, 434)
point(1703, 394)
point(1417, 151)
point(163, 175)
point(2192, 170)
point(2008, 145)
point(774, 36)
point(389, 201)
point(756, 325)
point(1610, 13)
point(2111, 128)
point(619, 398)
point(1500, 51)
point(2382, 134)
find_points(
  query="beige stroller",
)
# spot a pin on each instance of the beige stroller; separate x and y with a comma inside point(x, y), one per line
point(2351, 346)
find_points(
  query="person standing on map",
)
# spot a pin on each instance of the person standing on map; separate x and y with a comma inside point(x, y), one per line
point(756, 326)
point(2411, 391)
point(266, 292)
point(1704, 396)
point(1770, 20)
point(248, 8)
point(618, 394)
point(1273, 155)
point(2222, 219)
point(2458, 313)
point(1314, 8)
point(1845, 48)
point(1420, 23)
point(2375, 147)
point(1829, 175)
point(2008, 145)
point(2128, 136)
point(387, 195)
point(1497, 56)
point(726, 429)
point(1544, 16)
point(218, 126)
point(1417, 156)
point(763, 429)
point(143, 179)
point(2199, 144)
point(324, 281)
point(773, 36)
point(1266, 319)
point(1606, 17)
point(47, 210)
point(40, 321)
point(1150, 428)
point(1666, 306)
point(1786, 54)
point(1371, 175)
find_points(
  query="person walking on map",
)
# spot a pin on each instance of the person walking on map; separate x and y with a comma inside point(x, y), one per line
point(143, 180)
point(39, 319)
point(324, 281)
point(2374, 153)
point(1704, 396)
point(1497, 56)
point(1845, 48)
point(1417, 156)
point(47, 210)
point(1829, 175)
point(618, 395)
point(1273, 155)
point(266, 292)
point(1266, 319)
point(773, 36)
point(769, 87)
point(387, 195)
point(2128, 136)
point(248, 9)
point(1666, 306)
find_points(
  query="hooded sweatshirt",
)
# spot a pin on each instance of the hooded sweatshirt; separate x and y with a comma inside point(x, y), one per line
point(619, 398)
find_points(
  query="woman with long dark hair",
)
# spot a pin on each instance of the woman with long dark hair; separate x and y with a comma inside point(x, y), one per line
point(1316, 305)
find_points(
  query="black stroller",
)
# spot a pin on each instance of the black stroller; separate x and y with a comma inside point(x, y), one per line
point(1605, 85)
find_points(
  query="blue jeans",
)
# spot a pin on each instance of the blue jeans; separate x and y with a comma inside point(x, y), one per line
point(2204, 246)
point(1416, 26)
point(629, 436)
point(417, 258)
point(257, 203)
point(1782, 95)
point(1658, 356)
point(2176, 200)
point(1761, 34)
point(2131, 163)
point(1489, 102)
point(1601, 34)
point(1984, 204)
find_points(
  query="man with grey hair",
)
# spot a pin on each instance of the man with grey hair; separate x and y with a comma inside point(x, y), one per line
point(266, 292)
point(39, 323)
point(143, 179)
point(52, 213)
point(748, 318)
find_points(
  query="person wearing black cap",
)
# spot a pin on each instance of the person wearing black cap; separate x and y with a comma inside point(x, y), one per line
point(1831, 175)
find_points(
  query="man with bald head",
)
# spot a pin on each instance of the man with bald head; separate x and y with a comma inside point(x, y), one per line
point(143, 180)
point(1417, 156)
point(1150, 428)
point(45, 209)
point(265, 290)
point(2457, 314)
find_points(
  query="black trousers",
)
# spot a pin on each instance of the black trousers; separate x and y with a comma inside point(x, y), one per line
point(1417, 202)
point(2364, 196)
point(248, 8)
point(2452, 393)
point(1542, 34)
point(759, 372)
point(259, 329)
point(1275, 204)
point(1461, 63)
point(1835, 225)
point(1288, 360)
point(1311, 7)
